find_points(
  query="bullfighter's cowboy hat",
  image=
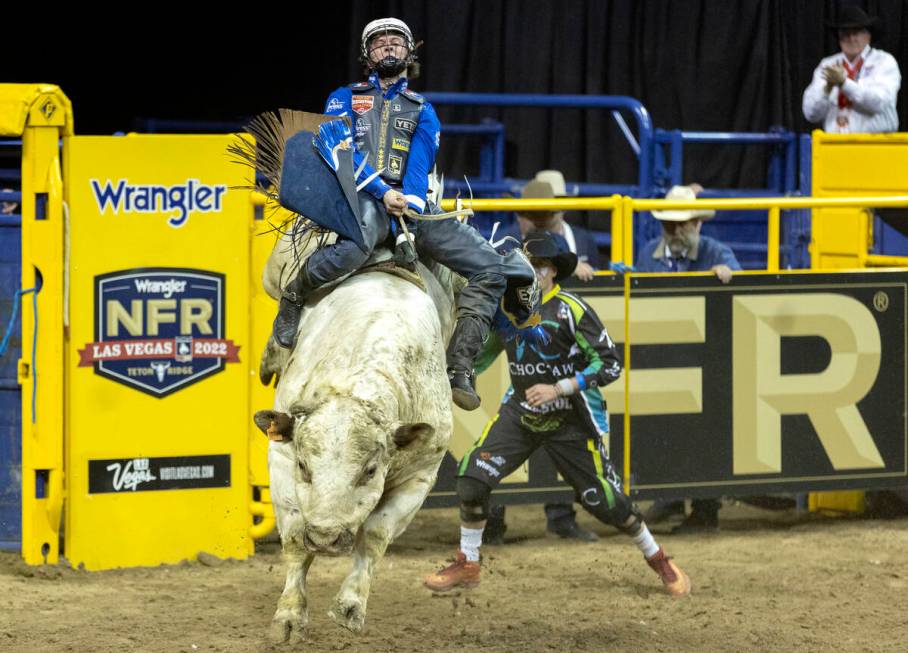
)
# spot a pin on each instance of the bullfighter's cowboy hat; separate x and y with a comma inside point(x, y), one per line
point(543, 244)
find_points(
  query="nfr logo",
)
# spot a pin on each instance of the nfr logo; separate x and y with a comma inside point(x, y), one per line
point(159, 330)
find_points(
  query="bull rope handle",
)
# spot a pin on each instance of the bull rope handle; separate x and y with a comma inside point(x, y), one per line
point(403, 226)
point(431, 217)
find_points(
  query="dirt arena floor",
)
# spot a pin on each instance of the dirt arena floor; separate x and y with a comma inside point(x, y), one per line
point(767, 582)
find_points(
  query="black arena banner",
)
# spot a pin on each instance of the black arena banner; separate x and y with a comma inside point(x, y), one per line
point(125, 475)
point(773, 383)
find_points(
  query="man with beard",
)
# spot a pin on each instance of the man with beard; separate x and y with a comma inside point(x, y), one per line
point(681, 248)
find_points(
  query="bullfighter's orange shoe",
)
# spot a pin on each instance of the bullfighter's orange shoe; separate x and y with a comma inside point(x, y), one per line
point(676, 582)
point(461, 573)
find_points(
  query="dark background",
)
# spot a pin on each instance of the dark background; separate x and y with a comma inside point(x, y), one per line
point(713, 65)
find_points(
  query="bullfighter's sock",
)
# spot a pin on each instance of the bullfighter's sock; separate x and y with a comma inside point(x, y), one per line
point(645, 542)
point(470, 541)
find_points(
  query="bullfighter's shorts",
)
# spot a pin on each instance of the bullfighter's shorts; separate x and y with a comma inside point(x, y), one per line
point(576, 451)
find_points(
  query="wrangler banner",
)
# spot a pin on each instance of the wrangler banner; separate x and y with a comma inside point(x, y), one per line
point(785, 382)
point(158, 351)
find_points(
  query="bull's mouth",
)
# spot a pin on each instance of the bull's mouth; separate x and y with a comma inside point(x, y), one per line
point(339, 547)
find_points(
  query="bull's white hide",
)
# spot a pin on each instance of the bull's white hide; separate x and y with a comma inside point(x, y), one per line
point(283, 266)
point(369, 361)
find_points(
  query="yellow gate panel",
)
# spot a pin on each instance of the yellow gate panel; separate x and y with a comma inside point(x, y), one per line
point(852, 165)
point(158, 353)
point(41, 113)
point(861, 164)
point(841, 238)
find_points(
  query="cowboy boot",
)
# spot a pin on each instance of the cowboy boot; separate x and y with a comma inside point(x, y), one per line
point(466, 342)
point(290, 309)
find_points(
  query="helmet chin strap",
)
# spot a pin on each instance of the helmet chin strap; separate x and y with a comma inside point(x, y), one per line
point(390, 67)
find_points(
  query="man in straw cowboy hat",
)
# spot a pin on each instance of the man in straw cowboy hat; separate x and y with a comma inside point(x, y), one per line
point(681, 248)
point(854, 91)
point(555, 404)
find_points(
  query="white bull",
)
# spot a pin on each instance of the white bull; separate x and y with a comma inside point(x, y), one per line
point(361, 422)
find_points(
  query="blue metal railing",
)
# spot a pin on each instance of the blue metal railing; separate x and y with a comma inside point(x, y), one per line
point(783, 167)
point(655, 175)
point(642, 146)
point(491, 154)
point(730, 227)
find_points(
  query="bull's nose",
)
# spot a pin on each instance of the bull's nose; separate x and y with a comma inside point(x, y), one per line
point(330, 541)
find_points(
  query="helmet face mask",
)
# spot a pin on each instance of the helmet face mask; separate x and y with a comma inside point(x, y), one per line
point(387, 47)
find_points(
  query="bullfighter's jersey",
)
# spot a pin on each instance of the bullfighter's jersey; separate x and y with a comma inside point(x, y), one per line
point(579, 346)
point(398, 131)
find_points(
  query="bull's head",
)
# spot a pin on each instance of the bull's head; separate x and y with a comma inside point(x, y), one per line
point(342, 451)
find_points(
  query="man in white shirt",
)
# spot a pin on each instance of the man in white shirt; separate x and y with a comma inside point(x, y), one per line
point(854, 91)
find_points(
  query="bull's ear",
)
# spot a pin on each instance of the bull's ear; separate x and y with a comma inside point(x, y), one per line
point(277, 426)
point(409, 433)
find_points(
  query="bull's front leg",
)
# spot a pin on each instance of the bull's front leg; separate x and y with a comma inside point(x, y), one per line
point(389, 519)
point(292, 612)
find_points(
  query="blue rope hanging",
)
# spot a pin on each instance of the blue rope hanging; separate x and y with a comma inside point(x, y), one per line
point(11, 327)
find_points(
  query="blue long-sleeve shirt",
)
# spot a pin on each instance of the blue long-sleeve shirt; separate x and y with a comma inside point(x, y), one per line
point(708, 253)
point(423, 147)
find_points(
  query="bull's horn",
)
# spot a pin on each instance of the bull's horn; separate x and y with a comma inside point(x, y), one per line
point(274, 424)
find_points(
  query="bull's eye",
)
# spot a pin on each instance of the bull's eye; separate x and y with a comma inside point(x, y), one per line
point(304, 471)
point(368, 474)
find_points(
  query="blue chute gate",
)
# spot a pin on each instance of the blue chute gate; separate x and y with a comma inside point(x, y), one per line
point(10, 346)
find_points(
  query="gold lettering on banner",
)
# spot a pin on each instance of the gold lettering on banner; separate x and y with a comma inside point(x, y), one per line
point(762, 394)
point(656, 321)
point(193, 311)
point(160, 311)
point(117, 315)
point(198, 312)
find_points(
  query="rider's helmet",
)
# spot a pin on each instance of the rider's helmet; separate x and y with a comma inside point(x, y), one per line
point(388, 65)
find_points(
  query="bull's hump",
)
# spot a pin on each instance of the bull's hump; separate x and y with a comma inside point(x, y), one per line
point(379, 301)
point(375, 336)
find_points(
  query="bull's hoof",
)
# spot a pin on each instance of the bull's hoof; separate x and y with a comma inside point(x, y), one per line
point(349, 613)
point(287, 626)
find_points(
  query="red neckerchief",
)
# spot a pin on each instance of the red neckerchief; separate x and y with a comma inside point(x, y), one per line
point(852, 72)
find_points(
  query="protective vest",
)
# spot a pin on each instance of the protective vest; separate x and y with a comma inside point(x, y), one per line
point(384, 128)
